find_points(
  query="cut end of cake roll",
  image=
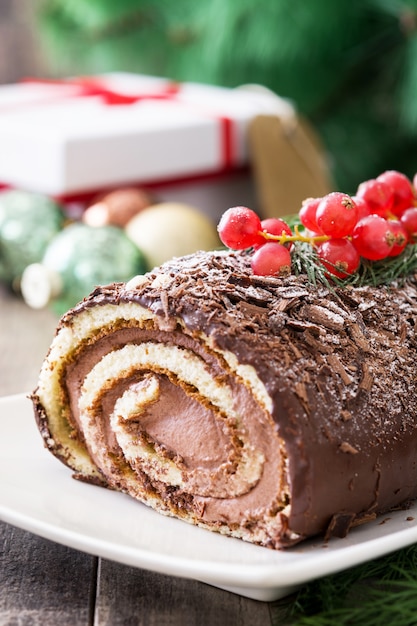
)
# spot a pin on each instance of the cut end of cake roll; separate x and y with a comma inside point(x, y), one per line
point(246, 405)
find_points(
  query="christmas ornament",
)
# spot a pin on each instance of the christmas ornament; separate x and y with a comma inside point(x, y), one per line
point(28, 222)
point(170, 229)
point(117, 207)
point(77, 259)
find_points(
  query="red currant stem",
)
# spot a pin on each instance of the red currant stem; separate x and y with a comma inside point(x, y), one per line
point(284, 238)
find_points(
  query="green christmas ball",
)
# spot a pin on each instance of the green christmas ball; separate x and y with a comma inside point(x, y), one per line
point(28, 222)
point(78, 259)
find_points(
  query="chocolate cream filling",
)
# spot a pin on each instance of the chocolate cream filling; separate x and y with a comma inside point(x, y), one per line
point(149, 421)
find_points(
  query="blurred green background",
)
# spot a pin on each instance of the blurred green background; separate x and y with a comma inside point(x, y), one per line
point(349, 66)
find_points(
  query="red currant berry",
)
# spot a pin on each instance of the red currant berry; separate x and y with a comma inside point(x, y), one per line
point(271, 259)
point(336, 214)
point(373, 237)
point(274, 226)
point(409, 221)
point(401, 237)
point(339, 257)
point(307, 214)
point(401, 188)
point(239, 228)
point(377, 195)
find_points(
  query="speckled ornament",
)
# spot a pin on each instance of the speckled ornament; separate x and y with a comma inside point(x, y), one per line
point(28, 222)
point(169, 229)
point(79, 258)
point(117, 207)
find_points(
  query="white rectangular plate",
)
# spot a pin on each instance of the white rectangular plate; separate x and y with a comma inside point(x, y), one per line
point(38, 494)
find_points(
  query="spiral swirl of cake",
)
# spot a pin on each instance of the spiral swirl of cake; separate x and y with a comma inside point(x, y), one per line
point(264, 408)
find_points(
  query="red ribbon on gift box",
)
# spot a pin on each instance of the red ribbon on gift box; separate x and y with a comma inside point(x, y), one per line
point(89, 86)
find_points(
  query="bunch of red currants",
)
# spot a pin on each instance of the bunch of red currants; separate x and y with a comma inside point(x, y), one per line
point(376, 223)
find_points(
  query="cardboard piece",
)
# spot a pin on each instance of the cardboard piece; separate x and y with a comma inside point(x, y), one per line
point(288, 164)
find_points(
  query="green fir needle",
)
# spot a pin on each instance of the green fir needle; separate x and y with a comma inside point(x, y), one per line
point(381, 592)
point(373, 273)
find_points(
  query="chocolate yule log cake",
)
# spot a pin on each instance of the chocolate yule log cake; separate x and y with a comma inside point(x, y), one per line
point(267, 408)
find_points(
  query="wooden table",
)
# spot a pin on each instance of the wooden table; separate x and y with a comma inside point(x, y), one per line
point(46, 584)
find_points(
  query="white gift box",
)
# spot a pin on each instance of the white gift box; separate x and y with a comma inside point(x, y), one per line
point(65, 138)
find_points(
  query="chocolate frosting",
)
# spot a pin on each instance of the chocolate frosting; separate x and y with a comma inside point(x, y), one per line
point(339, 365)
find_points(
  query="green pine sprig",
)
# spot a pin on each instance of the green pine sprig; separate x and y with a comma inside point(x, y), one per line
point(388, 270)
point(381, 592)
point(305, 260)
point(373, 273)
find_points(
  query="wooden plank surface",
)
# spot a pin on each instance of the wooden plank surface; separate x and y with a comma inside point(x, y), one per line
point(42, 582)
point(25, 336)
point(45, 584)
point(156, 600)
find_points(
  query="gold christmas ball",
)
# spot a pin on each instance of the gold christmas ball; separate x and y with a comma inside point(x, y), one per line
point(170, 229)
